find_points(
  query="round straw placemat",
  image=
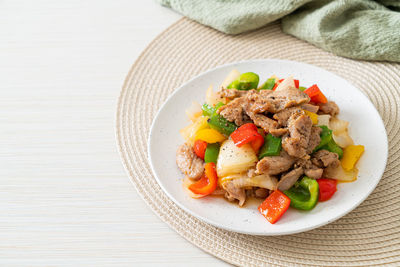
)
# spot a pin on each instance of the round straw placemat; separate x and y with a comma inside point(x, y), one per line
point(370, 235)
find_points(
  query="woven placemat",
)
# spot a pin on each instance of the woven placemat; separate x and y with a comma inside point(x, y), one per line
point(370, 235)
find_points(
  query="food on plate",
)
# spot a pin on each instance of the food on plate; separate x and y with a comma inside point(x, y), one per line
point(277, 141)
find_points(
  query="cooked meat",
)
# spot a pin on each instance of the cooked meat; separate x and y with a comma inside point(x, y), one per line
point(310, 107)
point(314, 140)
point(232, 93)
point(288, 179)
point(279, 132)
point(234, 112)
point(275, 101)
point(283, 116)
point(329, 108)
point(324, 158)
point(314, 173)
point(263, 121)
point(275, 164)
point(261, 192)
point(309, 168)
point(233, 192)
point(188, 162)
point(296, 144)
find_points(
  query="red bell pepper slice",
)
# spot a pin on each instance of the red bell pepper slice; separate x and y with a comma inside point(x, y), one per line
point(200, 147)
point(248, 133)
point(297, 83)
point(327, 187)
point(208, 182)
point(316, 95)
point(274, 206)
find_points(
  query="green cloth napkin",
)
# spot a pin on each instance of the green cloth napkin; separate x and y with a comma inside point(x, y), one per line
point(361, 29)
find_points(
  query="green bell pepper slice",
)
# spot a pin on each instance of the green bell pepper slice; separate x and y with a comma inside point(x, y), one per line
point(303, 194)
point(211, 153)
point(221, 124)
point(246, 81)
point(268, 85)
point(210, 110)
point(302, 88)
point(326, 137)
point(272, 146)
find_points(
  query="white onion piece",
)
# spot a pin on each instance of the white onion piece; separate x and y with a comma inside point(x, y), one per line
point(212, 98)
point(286, 84)
point(194, 111)
point(341, 175)
point(324, 120)
point(233, 75)
point(263, 181)
point(337, 125)
point(343, 139)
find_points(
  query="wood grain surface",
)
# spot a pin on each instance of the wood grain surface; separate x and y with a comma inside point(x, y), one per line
point(65, 199)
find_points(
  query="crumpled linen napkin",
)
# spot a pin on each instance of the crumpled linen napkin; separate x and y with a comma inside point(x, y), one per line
point(360, 29)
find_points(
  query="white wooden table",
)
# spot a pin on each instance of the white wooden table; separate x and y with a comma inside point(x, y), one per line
point(65, 199)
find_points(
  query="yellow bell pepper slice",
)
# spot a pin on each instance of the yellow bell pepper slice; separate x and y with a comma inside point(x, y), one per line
point(313, 116)
point(190, 131)
point(351, 154)
point(210, 136)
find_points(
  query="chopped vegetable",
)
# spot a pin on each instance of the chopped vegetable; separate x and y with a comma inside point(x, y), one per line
point(211, 153)
point(323, 120)
point(313, 116)
point(326, 137)
point(340, 132)
point(272, 146)
point(194, 111)
point(243, 181)
point(274, 206)
point(246, 81)
point(304, 194)
point(327, 187)
point(343, 139)
point(351, 155)
point(220, 124)
point(342, 175)
point(268, 85)
point(316, 95)
point(208, 182)
point(200, 148)
point(296, 83)
point(233, 75)
point(233, 159)
point(190, 131)
point(210, 136)
point(209, 110)
point(188, 182)
point(284, 84)
point(212, 98)
point(248, 133)
point(302, 88)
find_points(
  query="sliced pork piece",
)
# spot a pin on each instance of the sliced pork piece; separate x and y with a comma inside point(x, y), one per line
point(309, 168)
point(234, 112)
point(263, 121)
point(310, 107)
point(296, 144)
point(288, 179)
point(188, 162)
point(232, 93)
point(275, 101)
point(233, 193)
point(329, 108)
point(283, 116)
point(314, 173)
point(275, 164)
point(324, 158)
point(279, 132)
point(314, 139)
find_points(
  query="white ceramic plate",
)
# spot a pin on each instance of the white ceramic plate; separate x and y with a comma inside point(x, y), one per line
point(366, 128)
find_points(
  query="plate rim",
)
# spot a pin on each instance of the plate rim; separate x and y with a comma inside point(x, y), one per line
point(278, 233)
